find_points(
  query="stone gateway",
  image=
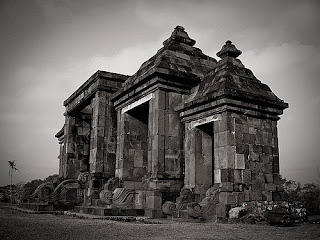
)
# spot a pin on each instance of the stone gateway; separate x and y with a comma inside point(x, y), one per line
point(186, 136)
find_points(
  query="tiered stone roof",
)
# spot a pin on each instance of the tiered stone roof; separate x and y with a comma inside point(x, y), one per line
point(231, 79)
point(178, 59)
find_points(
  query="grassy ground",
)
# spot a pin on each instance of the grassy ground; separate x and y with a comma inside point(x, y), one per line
point(18, 225)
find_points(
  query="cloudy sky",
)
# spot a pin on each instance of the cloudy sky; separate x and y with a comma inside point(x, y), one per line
point(50, 47)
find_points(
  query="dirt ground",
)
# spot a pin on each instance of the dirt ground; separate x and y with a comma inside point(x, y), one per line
point(18, 225)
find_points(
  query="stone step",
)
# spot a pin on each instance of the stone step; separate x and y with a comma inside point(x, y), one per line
point(37, 206)
point(101, 211)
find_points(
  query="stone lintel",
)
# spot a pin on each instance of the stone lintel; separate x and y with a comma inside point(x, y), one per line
point(205, 120)
point(137, 103)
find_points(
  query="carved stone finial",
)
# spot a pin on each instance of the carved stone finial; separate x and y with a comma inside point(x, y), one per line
point(229, 50)
point(180, 35)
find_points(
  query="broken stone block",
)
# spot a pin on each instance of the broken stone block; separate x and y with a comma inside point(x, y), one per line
point(237, 212)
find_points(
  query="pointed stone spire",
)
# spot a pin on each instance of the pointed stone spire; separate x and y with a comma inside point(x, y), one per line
point(180, 35)
point(229, 50)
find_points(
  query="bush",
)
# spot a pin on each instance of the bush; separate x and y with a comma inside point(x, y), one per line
point(309, 195)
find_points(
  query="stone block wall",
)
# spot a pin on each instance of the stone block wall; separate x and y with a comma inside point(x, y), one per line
point(150, 138)
point(75, 151)
point(71, 164)
point(82, 140)
point(246, 159)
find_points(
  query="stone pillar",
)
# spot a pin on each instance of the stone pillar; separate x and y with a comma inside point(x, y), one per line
point(60, 157)
point(103, 136)
point(70, 162)
point(82, 140)
point(165, 140)
point(76, 145)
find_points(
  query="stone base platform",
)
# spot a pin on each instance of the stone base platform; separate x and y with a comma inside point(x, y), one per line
point(46, 206)
point(101, 211)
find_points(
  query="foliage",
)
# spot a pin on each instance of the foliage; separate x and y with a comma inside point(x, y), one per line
point(291, 188)
point(309, 195)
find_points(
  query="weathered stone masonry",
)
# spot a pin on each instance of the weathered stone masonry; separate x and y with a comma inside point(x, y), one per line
point(184, 124)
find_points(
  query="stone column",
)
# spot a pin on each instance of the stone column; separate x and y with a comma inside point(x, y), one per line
point(70, 162)
point(165, 137)
point(103, 136)
point(60, 157)
point(82, 140)
point(76, 145)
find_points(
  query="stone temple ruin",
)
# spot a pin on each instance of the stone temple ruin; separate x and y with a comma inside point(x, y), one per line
point(186, 136)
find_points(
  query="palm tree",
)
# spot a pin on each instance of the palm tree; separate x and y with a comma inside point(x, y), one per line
point(12, 165)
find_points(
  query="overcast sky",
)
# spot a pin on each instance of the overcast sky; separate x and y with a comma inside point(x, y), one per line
point(49, 48)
